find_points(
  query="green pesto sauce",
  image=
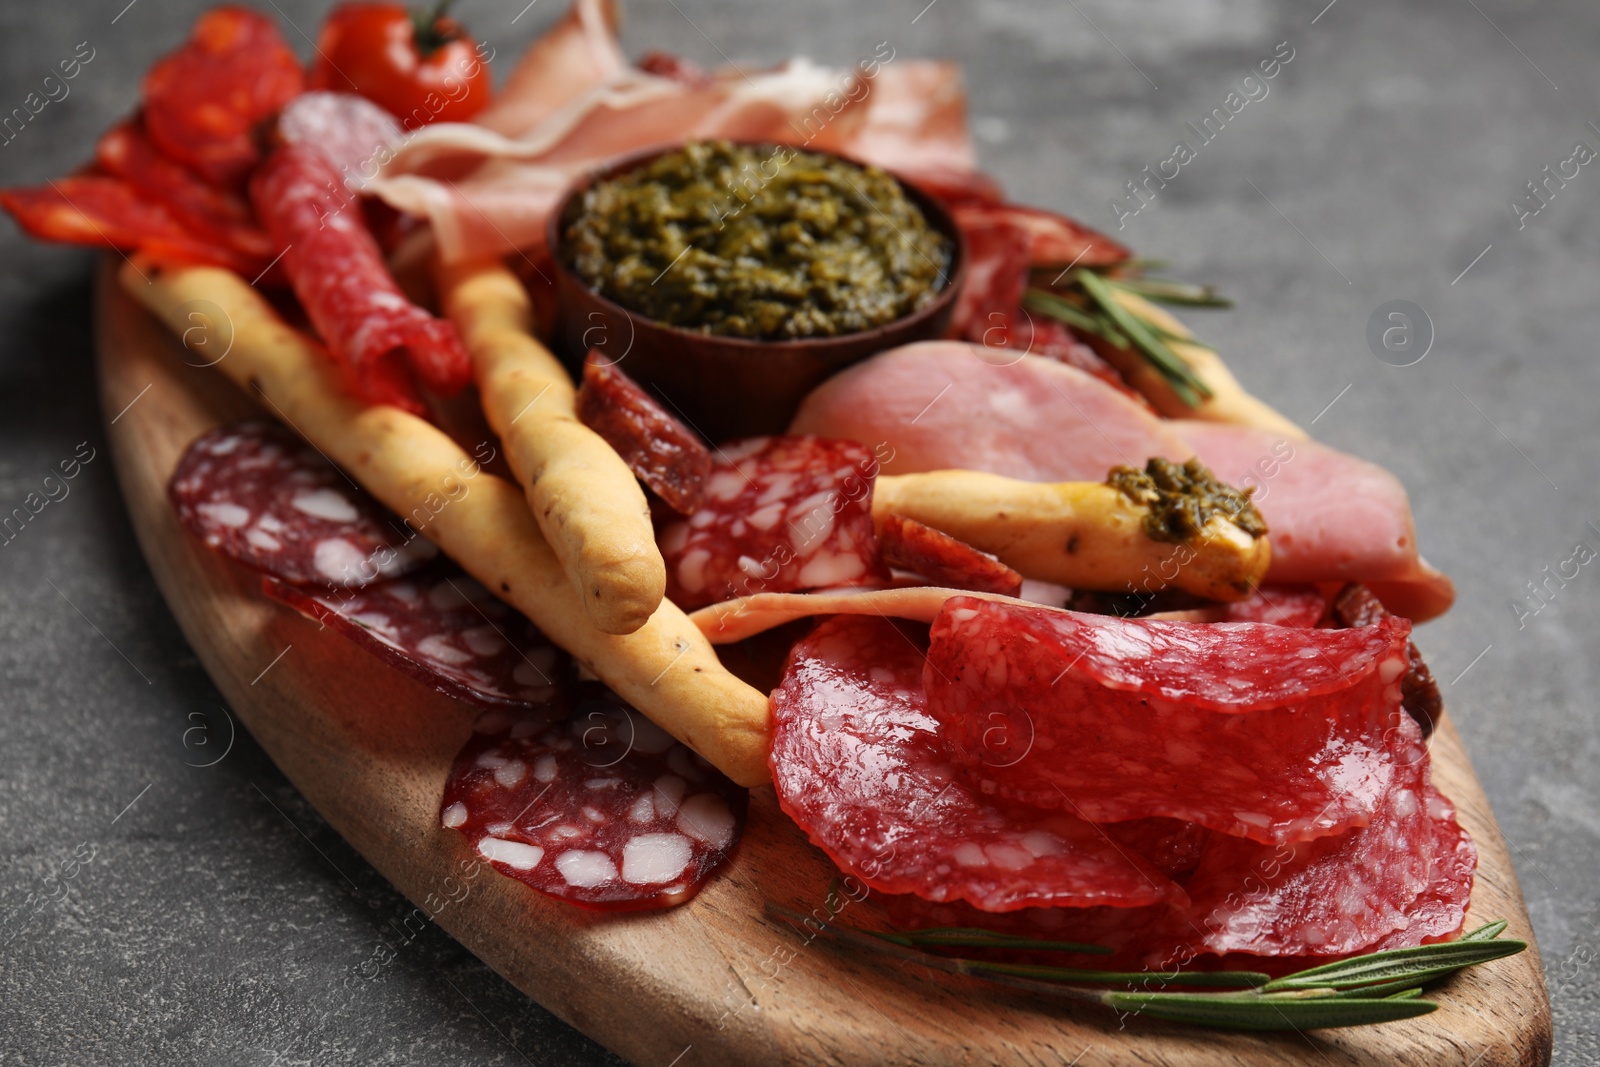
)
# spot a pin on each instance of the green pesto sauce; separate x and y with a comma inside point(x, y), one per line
point(1183, 499)
point(767, 243)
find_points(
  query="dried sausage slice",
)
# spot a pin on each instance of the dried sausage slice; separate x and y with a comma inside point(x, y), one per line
point(260, 495)
point(857, 764)
point(1267, 732)
point(780, 514)
point(662, 452)
point(943, 559)
point(445, 630)
point(601, 808)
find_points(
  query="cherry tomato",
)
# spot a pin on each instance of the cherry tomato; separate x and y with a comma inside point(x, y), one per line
point(421, 67)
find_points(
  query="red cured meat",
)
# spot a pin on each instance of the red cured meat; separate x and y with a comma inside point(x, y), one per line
point(351, 132)
point(219, 215)
point(204, 101)
point(1328, 897)
point(1173, 846)
point(780, 514)
point(1266, 732)
point(857, 764)
point(601, 809)
point(662, 452)
point(261, 496)
point(1438, 914)
point(997, 278)
point(1356, 605)
point(338, 273)
point(943, 559)
point(446, 631)
point(1054, 240)
point(90, 209)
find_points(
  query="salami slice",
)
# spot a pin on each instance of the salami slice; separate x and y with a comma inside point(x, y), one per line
point(937, 556)
point(444, 629)
point(219, 215)
point(1438, 914)
point(204, 101)
point(260, 495)
point(351, 132)
point(1266, 732)
point(92, 209)
point(1054, 240)
point(857, 763)
point(1280, 605)
point(780, 514)
point(601, 808)
point(1328, 897)
point(662, 452)
point(336, 268)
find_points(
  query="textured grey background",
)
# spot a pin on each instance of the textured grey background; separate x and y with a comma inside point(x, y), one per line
point(218, 918)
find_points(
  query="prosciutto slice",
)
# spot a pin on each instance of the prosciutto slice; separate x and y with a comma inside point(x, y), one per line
point(574, 103)
point(943, 404)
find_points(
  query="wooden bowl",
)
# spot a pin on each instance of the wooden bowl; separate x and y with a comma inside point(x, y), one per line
point(727, 387)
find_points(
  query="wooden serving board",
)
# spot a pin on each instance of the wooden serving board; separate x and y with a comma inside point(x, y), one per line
point(714, 981)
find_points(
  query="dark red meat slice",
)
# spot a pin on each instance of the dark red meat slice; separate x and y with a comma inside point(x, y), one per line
point(943, 559)
point(1356, 605)
point(91, 209)
point(1332, 896)
point(445, 630)
point(352, 133)
point(1054, 240)
point(602, 808)
point(1267, 732)
point(1173, 846)
point(780, 514)
point(372, 328)
point(662, 452)
point(997, 278)
point(953, 186)
point(857, 764)
point(219, 215)
point(258, 494)
point(204, 101)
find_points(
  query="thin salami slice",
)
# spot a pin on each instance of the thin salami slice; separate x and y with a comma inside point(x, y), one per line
point(219, 215)
point(445, 630)
point(943, 559)
point(997, 277)
point(260, 495)
point(857, 763)
point(351, 132)
point(780, 514)
point(204, 101)
point(92, 209)
point(1438, 914)
point(601, 809)
point(662, 452)
point(336, 268)
point(1328, 897)
point(1266, 732)
point(1280, 605)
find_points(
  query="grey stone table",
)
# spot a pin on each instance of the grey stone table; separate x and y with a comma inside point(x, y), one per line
point(157, 911)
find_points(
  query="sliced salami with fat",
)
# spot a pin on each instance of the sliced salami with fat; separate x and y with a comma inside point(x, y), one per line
point(1267, 732)
point(600, 808)
point(857, 764)
point(921, 549)
point(779, 514)
point(260, 495)
point(444, 629)
point(352, 133)
point(663, 453)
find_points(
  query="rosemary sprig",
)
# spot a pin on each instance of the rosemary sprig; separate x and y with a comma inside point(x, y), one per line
point(1170, 291)
point(1145, 337)
point(974, 937)
point(1375, 988)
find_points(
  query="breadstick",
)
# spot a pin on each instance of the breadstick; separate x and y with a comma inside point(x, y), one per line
point(587, 502)
point(1086, 535)
point(666, 668)
point(1229, 402)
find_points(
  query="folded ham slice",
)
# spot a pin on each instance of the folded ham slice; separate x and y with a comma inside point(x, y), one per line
point(574, 102)
point(945, 404)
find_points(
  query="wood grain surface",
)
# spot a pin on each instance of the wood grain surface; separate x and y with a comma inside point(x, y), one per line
point(714, 981)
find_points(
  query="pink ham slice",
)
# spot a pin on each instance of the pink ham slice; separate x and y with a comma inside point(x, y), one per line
point(857, 764)
point(945, 404)
point(600, 808)
point(1271, 733)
